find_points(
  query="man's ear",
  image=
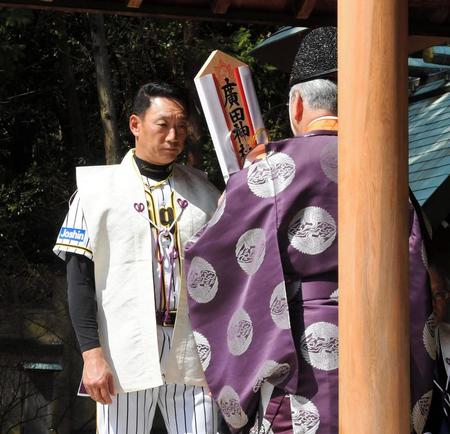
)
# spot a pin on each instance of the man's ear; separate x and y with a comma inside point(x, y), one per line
point(135, 125)
point(298, 107)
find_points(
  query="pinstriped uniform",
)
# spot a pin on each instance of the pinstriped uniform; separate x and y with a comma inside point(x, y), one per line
point(185, 409)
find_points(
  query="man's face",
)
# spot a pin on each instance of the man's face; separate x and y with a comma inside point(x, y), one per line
point(161, 131)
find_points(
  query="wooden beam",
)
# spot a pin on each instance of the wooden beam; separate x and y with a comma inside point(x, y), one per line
point(134, 4)
point(220, 6)
point(198, 12)
point(194, 13)
point(374, 387)
point(419, 43)
point(303, 8)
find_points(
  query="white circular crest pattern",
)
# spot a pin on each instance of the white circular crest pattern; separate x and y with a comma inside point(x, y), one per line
point(219, 211)
point(329, 160)
point(319, 345)
point(266, 427)
point(335, 295)
point(203, 349)
point(230, 405)
point(239, 332)
point(312, 230)
point(420, 412)
point(305, 415)
point(429, 339)
point(279, 309)
point(273, 372)
point(202, 281)
point(250, 250)
point(271, 175)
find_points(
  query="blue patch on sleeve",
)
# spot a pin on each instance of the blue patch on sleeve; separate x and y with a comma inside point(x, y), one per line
point(72, 234)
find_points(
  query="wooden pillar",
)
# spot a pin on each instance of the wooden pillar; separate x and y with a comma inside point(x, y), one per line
point(373, 217)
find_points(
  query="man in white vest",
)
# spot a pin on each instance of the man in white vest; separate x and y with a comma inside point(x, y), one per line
point(123, 241)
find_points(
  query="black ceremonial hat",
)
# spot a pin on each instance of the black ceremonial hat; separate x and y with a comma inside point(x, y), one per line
point(316, 57)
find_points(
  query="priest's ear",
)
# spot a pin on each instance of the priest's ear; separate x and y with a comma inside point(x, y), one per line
point(296, 112)
point(297, 107)
point(135, 125)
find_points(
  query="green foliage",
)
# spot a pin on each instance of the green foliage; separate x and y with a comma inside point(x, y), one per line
point(12, 49)
point(48, 80)
point(30, 205)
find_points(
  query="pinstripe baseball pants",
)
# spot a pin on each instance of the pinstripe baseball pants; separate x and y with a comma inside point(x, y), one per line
point(185, 409)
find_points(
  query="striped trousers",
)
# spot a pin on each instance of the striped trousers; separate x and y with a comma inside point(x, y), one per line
point(185, 409)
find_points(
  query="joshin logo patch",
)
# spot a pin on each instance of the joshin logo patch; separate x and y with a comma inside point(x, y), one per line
point(72, 234)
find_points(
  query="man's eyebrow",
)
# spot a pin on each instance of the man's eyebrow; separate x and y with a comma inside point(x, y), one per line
point(169, 116)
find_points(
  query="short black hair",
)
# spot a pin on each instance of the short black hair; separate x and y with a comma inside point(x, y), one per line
point(144, 96)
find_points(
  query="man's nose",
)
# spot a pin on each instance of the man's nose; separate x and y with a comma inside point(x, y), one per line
point(172, 135)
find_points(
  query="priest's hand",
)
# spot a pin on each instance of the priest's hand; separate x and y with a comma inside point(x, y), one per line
point(97, 376)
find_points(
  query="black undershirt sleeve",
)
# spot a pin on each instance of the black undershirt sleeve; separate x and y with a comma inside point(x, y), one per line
point(82, 301)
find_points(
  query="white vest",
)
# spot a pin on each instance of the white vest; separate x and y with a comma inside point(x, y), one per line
point(121, 242)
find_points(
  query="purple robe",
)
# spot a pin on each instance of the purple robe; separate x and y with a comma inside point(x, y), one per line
point(422, 322)
point(262, 291)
